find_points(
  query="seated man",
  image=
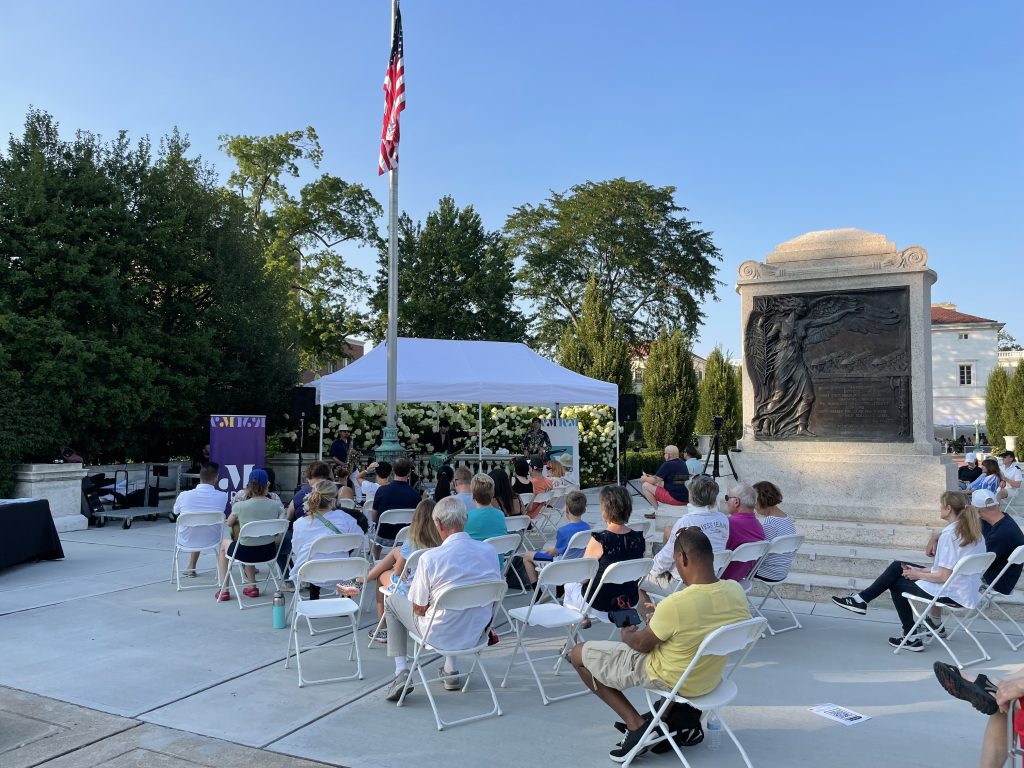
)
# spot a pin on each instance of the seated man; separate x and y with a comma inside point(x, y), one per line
point(668, 484)
point(743, 527)
point(657, 655)
point(203, 498)
point(969, 472)
point(1002, 536)
point(703, 513)
point(484, 519)
point(461, 479)
point(459, 560)
point(397, 494)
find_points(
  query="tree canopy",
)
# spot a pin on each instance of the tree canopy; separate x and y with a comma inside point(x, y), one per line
point(720, 395)
point(670, 395)
point(651, 265)
point(454, 280)
point(594, 345)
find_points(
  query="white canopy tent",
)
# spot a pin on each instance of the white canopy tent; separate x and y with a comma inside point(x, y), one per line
point(440, 370)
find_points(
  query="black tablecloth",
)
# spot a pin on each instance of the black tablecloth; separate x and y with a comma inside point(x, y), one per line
point(27, 533)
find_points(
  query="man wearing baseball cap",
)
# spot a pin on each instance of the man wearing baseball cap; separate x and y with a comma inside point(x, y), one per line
point(337, 454)
point(970, 471)
point(1002, 536)
point(1011, 474)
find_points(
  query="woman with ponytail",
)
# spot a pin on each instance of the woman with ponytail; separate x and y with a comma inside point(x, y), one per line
point(961, 537)
point(319, 519)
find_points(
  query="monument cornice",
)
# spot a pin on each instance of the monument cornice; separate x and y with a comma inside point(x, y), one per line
point(910, 260)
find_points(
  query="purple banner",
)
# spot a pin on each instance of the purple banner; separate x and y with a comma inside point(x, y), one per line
point(237, 443)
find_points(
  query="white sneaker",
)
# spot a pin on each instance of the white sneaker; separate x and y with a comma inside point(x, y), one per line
point(453, 681)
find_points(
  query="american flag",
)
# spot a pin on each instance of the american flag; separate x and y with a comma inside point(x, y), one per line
point(394, 98)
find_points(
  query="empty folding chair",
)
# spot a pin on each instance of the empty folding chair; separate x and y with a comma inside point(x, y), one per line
point(506, 546)
point(625, 572)
point(551, 615)
point(326, 571)
point(401, 517)
point(457, 598)
point(782, 545)
point(990, 598)
point(196, 532)
point(552, 513)
point(256, 529)
point(724, 641)
point(641, 526)
point(969, 565)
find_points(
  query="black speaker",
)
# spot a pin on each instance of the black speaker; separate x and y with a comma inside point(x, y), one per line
point(303, 403)
point(629, 408)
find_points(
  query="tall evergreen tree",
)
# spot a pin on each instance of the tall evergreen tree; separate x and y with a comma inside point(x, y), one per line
point(670, 394)
point(594, 345)
point(719, 396)
point(995, 405)
point(1013, 405)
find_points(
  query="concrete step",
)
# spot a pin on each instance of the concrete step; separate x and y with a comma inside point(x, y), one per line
point(851, 560)
point(857, 533)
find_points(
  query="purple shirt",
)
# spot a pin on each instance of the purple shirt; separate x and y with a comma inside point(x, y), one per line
point(743, 527)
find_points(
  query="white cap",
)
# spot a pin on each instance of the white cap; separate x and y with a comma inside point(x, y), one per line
point(971, 458)
point(982, 498)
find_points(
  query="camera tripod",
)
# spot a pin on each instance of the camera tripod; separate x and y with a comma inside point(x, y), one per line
point(716, 440)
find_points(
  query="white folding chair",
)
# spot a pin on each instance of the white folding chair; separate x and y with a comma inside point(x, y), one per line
point(326, 571)
point(346, 504)
point(204, 532)
point(969, 565)
point(402, 536)
point(781, 545)
point(750, 552)
point(389, 517)
point(550, 615)
point(724, 641)
point(506, 546)
point(552, 513)
point(721, 560)
point(518, 524)
point(255, 529)
point(990, 599)
point(625, 572)
point(457, 598)
point(407, 569)
point(331, 547)
point(641, 526)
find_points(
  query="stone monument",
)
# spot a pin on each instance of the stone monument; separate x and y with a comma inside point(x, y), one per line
point(837, 382)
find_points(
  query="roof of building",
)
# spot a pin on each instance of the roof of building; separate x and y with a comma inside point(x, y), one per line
point(948, 315)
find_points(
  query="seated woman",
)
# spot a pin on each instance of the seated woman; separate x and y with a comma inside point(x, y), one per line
point(443, 489)
point(256, 506)
point(990, 480)
point(776, 523)
point(422, 535)
point(556, 474)
point(521, 477)
point(319, 519)
point(504, 499)
point(961, 537)
point(614, 545)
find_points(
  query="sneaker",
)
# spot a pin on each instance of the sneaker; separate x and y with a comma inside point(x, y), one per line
point(395, 689)
point(850, 604)
point(453, 681)
point(378, 636)
point(623, 748)
point(251, 591)
point(222, 595)
point(914, 645)
point(938, 627)
point(190, 573)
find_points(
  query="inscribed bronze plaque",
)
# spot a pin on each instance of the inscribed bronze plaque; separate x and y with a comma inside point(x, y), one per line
point(834, 366)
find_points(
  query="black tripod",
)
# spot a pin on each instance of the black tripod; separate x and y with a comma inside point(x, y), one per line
point(716, 440)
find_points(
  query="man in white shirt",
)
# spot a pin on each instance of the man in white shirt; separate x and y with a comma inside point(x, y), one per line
point(1011, 474)
point(203, 498)
point(701, 512)
point(459, 560)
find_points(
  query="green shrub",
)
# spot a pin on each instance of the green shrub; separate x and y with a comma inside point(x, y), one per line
point(634, 463)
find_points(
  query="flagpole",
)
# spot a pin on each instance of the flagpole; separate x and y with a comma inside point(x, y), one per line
point(389, 447)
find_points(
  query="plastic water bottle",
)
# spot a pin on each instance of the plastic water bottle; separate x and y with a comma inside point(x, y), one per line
point(279, 610)
point(714, 732)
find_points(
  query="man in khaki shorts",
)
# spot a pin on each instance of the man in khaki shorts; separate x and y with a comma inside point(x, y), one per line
point(657, 655)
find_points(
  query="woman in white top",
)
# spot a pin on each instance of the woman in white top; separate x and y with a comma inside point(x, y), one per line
point(556, 474)
point(961, 537)
point(319, 519)
point(776, 523)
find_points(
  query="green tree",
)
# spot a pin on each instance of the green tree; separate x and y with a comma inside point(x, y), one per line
point(1012, 412)
point(995, 405)
point(720, 396)
point(454, 277)
point(302, 233)
point(1007, 343)
point(651, 265)
point(669, 391)
point(594, 345)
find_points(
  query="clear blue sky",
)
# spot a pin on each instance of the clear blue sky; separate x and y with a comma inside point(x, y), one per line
point(771, 119)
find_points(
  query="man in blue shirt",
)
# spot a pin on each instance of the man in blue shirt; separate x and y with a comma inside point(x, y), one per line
point(398, 494)
point(693, 465)
point(668, 484)
point(338, 452)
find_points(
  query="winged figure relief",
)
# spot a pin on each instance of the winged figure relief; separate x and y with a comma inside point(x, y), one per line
point(779, 331)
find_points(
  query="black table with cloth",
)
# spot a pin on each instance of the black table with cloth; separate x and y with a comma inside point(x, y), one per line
point(27, 533)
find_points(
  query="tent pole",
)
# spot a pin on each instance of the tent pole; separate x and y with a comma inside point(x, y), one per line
point(480, 434)
point(618, 462)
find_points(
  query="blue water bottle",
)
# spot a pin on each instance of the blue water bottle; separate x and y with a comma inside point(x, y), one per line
point(279, 610)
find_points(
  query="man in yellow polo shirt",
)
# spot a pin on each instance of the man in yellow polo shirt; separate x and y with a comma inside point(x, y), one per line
point(657, 655)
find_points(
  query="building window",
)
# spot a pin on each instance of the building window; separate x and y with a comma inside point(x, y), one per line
point(638, 377)
point(331, 367)
point(962, 336)
point(966, 375)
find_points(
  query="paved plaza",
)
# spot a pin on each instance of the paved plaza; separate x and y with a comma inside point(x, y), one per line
point(104, 663)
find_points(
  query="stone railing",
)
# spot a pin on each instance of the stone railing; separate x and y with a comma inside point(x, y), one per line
point(475, 461)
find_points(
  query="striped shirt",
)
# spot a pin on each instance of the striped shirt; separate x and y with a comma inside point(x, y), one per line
point(776, 567)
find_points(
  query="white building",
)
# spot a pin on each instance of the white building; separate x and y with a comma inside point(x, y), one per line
point(965, 350)
point(1011, 358)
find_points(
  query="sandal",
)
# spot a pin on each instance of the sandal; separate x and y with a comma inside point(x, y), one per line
point(974, 693)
